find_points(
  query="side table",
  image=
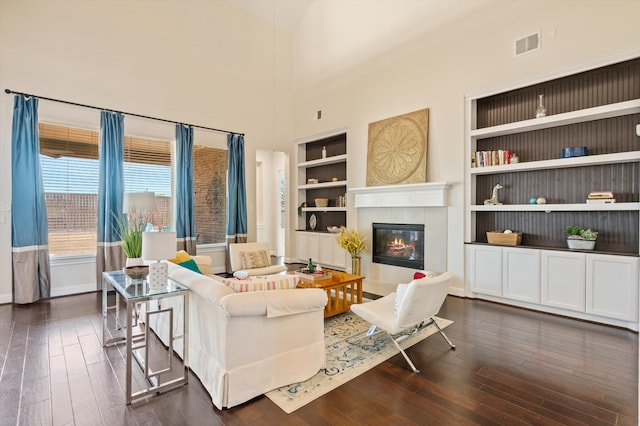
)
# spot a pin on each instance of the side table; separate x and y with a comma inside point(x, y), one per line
point(342, 289)
point(134, 293)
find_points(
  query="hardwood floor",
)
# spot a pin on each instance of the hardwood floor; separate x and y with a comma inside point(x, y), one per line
point(511, 366)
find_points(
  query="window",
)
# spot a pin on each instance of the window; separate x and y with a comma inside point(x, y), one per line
point(210, 199)
point(147, 167)
point(69, 160)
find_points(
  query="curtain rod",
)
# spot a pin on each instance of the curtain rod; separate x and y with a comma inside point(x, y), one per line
point(121, 112)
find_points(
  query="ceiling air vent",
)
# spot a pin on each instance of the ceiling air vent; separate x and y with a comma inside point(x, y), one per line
point(527, 44)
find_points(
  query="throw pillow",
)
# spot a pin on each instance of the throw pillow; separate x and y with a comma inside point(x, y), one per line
point(277, 282)
point(255, 259)
point(190, 264)
point(423, 274)
point(181, 256)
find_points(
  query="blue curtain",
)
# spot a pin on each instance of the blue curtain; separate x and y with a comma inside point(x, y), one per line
point(29, 233)
point(237, 194)
point(109, 255)
point(185, 204)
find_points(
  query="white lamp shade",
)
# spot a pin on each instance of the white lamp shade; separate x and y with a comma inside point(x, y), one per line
point(158, 245)
point(140, 202)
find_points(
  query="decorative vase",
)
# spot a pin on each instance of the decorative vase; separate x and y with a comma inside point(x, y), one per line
point(541, 111)
point(355, 265)
point(134, 261)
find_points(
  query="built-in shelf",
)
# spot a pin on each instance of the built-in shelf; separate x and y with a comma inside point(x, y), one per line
point(324, 209)
point(323, 185)
point(573, 117)
point(589, 160)
point(542, 272)
point(331, 172)
point(551, 248)
point(556, 207)
point(323, 161)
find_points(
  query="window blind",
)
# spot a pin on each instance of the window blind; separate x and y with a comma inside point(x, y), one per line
point(69, 160)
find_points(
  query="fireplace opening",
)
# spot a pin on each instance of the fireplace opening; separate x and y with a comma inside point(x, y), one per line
point(399, 244)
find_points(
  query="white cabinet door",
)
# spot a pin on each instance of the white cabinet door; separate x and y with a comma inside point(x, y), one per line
point(612, 286)
point(486, 269)
point(307, 246)
point(521, 274)
point(330, 253)
point(563, 279)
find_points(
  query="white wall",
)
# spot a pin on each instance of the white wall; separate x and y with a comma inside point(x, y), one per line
point(199, 62)
point(471, 52)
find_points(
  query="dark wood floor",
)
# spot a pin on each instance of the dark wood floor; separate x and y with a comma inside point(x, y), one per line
point(511, 366)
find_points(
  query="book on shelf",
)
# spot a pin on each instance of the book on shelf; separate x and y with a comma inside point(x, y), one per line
point(601, 200)
point(600, 194)
point(494, 157)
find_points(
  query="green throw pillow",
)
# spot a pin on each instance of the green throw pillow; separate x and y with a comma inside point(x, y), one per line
point(190, 264)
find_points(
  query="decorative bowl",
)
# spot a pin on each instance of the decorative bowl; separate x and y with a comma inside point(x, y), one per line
point(574, 151)
point(322, 202)
point(137, 272)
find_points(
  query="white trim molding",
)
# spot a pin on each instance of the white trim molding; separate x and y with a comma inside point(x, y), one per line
point(432, 194)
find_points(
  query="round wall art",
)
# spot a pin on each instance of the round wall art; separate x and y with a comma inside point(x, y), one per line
point(397, 149)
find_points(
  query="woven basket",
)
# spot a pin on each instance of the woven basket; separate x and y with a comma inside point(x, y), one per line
point(499, 237)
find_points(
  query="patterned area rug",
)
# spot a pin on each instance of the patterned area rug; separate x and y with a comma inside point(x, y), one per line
point(346, 361)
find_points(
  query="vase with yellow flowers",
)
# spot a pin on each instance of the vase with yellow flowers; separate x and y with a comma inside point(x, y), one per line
point(353, 243)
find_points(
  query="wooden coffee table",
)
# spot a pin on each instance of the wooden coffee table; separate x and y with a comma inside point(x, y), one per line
point(342, 290)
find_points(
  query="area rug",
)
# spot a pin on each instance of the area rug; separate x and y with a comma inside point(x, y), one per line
point(345, 361)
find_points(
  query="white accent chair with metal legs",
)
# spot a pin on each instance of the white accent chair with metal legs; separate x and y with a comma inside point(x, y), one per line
point(411, 306)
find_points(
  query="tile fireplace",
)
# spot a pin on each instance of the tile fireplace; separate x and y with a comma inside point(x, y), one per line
point(398, 244)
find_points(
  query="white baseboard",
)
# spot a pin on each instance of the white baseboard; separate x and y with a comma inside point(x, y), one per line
point(6, 298)
point(456, 291)
point(76, 289)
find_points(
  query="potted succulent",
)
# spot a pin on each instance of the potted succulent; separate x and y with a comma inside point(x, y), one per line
point(580, 238)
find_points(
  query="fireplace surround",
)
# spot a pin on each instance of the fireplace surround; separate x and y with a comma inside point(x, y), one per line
point(398, 244)
point(423, 204)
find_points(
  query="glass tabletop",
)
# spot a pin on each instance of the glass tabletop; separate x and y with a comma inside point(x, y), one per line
point(136, 288)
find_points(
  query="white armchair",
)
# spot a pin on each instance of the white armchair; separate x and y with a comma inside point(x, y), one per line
point(411, 306)
point(254, 258)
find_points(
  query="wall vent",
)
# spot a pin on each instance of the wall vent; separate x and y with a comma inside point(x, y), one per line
point(527, 44)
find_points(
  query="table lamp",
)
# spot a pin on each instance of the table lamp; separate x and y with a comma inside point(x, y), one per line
point(158, 246)
point(139, 202)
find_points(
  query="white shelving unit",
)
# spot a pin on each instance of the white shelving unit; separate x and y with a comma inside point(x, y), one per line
point(556, 207)
point(564, 119)
point(318, 243)
point(537, 277)
point(589, 160)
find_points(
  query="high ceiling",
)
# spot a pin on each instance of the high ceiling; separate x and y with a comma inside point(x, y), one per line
point(286, 14)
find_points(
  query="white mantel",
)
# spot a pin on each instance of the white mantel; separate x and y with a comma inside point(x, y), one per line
point(432, 194)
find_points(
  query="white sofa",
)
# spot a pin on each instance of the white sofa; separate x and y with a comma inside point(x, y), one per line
point(236, 251)
point(242, 345)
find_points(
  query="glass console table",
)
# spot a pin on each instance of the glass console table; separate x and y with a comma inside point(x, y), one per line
point(138, 296)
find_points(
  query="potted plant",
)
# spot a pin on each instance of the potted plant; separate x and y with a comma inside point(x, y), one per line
point(130, 234)
point(580, 238)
